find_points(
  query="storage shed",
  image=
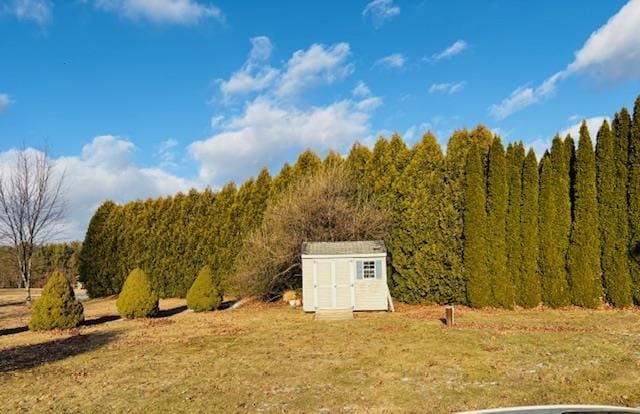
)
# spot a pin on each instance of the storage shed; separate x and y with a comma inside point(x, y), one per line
point(345, 275)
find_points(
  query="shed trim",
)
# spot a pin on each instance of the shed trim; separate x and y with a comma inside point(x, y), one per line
point(337, 256)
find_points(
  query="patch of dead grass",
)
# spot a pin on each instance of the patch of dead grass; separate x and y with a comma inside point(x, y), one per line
point(273, 358)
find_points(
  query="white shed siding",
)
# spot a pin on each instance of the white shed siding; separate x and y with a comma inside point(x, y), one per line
point(308, 303)
point(371, 295)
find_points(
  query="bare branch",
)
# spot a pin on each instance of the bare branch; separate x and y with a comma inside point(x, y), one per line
point(32, 206)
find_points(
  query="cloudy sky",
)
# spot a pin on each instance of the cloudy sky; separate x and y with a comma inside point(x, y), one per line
point(139, 98)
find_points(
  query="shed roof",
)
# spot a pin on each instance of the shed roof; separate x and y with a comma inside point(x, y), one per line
point(344, 247)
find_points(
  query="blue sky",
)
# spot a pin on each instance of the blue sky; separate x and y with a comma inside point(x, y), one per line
point(140, 98)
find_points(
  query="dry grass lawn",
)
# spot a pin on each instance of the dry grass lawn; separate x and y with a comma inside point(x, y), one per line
point(272, 358)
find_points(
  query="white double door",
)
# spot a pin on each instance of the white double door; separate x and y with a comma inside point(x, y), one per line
point(334, 284)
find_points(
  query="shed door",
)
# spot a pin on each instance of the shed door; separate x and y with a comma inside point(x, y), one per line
point(333, 284)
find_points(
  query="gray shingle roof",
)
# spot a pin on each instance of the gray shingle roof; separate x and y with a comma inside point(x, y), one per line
point(344, 247)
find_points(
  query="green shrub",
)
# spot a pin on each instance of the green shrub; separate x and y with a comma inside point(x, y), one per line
point(137, 299)
point(205, 293)
point(57, 308)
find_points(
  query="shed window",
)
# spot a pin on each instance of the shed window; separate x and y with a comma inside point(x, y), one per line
point(369, 269)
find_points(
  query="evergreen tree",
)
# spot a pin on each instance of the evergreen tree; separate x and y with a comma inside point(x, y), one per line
point(282, 181)
point(224, 257)
point(570, 153)
point(497, 199)
point(400, 152)
point(584, 249)
point(554, 225)
point(357, 161)
point(528, 290)
point(308, 163)
point(97, 249)
point(384, 169)
point(57, 307)
point(475, 230)
point(137, 299)
point(613, 219)
point(422, 273)
point(458, 148)
point(205, 293)
point(332, 160)
point(376, 182)
point(633, 197)
point(515, 161)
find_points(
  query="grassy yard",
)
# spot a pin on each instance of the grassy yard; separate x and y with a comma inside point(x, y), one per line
point(272, 358)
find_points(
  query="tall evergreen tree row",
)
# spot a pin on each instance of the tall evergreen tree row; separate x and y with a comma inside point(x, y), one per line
point(478, 224)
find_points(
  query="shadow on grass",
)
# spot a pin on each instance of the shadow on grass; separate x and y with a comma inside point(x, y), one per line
point(31, 356)
point(90, 322)
point(14, 303)
point(170, 312)
point(11, 331)
point(100, 320)
point(227, 304)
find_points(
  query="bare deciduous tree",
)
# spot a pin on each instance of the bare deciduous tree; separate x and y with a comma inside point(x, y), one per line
point(327, 206)
point(32, 207)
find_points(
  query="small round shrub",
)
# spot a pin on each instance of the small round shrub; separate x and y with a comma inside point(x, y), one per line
point(137, 299)
point(57, 308)
point(205, 293)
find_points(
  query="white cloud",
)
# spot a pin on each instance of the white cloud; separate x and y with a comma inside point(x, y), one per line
point(448, 88)
point(105, 170)
point(456, 48)
point(163, 11)
point(611, 53)
point(524, 96)
point(368, 104)
point(267, 132)
point(216, 121)
point(165, 151)
point(593, 125)
point(5, 101)
point(38, 11)
point(314, 66)
point(273, 125)
point(361, 90)
point(519, 98)
point(396, 60)
point(254, 75)
point(380, 11)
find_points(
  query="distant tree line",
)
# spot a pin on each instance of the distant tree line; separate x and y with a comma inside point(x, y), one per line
point(47, 259)
point(480, 224)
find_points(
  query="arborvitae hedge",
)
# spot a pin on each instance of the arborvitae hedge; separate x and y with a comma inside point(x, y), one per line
point(57, 307)
point(359, 156)
point(137, 299)
point(584, 249)
point(633, 197)
point(98, 246)
point(555, 225)
point(421, 271)
point(527, 222)
point(497, 200)
point(613, 220)
point(475, 231)
point(515, 161)
point(528, 289)
point(205, 294)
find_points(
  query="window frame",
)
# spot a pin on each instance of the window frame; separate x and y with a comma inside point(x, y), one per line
point(368, 267)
